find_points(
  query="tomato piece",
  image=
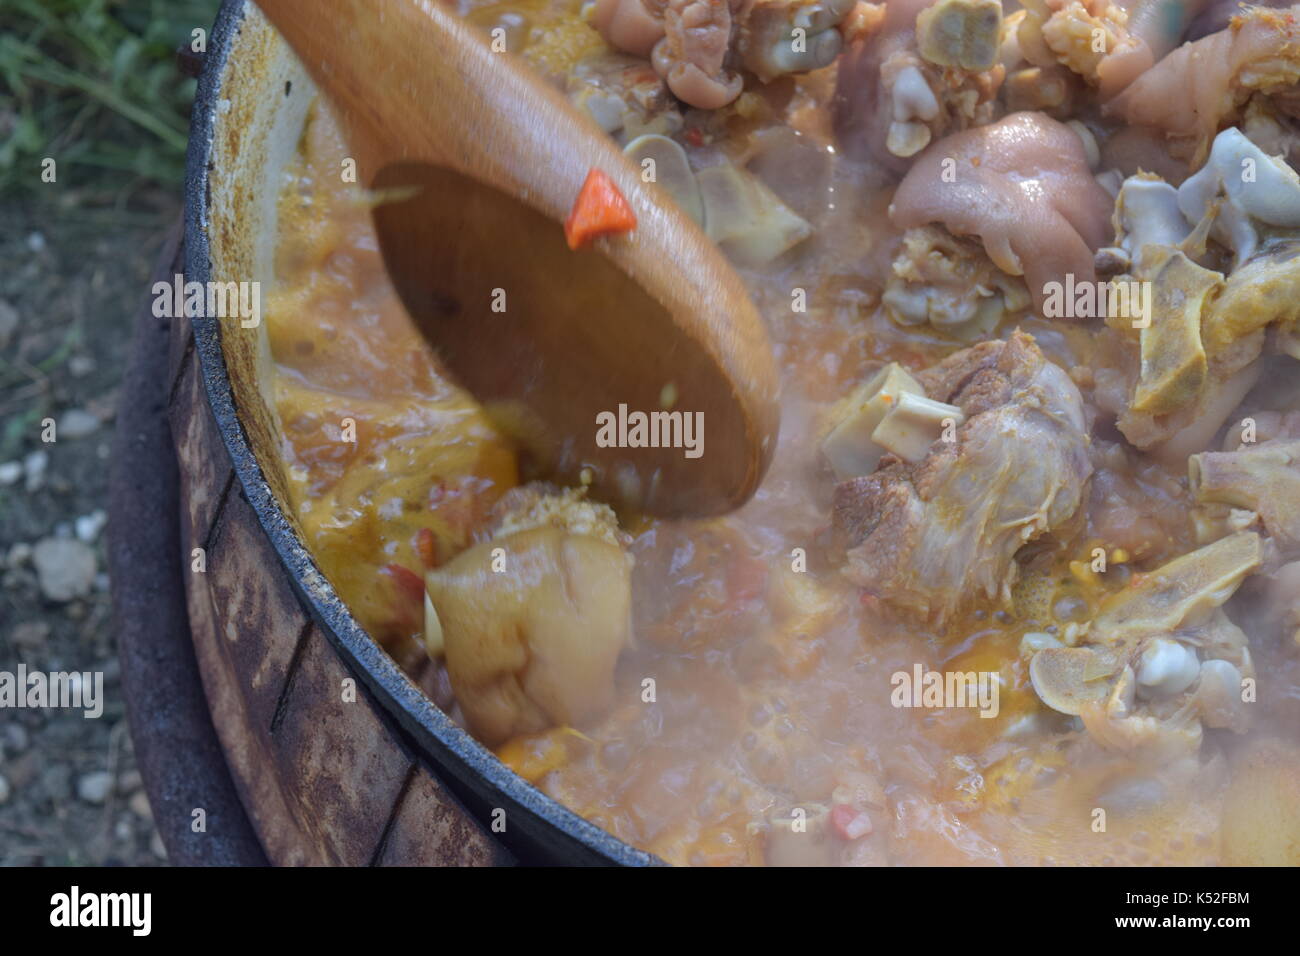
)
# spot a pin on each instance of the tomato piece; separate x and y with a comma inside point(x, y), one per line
point(426, 546)
point(407, 594)
point(409, 584)
point(850, 822)
point(599, 210)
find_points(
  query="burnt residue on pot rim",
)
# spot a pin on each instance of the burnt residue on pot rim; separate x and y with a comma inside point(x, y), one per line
point(539, 828)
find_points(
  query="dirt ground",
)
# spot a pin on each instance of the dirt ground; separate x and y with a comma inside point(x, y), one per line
point(71, 285)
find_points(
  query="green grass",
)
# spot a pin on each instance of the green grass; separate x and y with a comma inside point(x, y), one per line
point(93, 84)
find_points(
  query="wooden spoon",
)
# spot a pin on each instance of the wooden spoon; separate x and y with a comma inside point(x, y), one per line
point(647, 320)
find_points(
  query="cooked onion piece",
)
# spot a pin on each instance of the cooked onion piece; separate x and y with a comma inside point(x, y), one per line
point(672, 171)
point(745, 218)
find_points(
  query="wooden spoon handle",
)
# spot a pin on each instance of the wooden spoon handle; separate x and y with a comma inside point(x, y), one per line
point(425, 86)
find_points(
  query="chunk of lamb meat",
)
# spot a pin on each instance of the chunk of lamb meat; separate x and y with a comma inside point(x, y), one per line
point(1257, 482)
point(1135, 34)
point(699, 47)
point(1203, 86)
point(1023, 186)
point(623, 94)
point(926, 537)
point(531, 621)
point(1198, 354)
point(1218, 14)
point(690, 57)
point(1161, 659)
point(927, 70)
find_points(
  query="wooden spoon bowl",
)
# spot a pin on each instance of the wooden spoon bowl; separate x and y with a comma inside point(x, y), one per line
point(490, 159)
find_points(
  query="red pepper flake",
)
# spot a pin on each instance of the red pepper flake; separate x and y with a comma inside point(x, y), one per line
point(694, 136)
point(599, 210)
point(426, 546)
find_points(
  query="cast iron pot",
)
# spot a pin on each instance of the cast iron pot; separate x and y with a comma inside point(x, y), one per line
point(267, 625)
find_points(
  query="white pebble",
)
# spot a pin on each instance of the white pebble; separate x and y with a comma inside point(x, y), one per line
point(34, 466)
point(77, 423)
point(94, 787)
point(89, 526)
point(64, 568)
point(139, 804)
point(10, 472)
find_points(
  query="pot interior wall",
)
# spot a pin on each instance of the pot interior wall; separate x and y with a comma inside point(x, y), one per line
point(261, 111)
point(250, 119)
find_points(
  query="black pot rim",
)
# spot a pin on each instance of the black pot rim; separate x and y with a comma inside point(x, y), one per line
point(546, 825)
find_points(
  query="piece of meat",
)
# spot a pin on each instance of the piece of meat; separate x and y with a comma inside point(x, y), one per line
point(1201, 346)
point(699, 47)
point(632, 26)
point(1217, 14)
point(927, 537)
point(1201, 87)
point(532, 620)
point(1134, 505)
point(765, 38)
point(623, 93)
point(691, 56)
point(1063, 31)
point(1263, 478)
point(1154, 28)
point(1135, 148)
point(1283, 596)
point(891, 102)
point(951, 284)
point(1023, 186)
point(1161, 659)
point(1134, 35)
